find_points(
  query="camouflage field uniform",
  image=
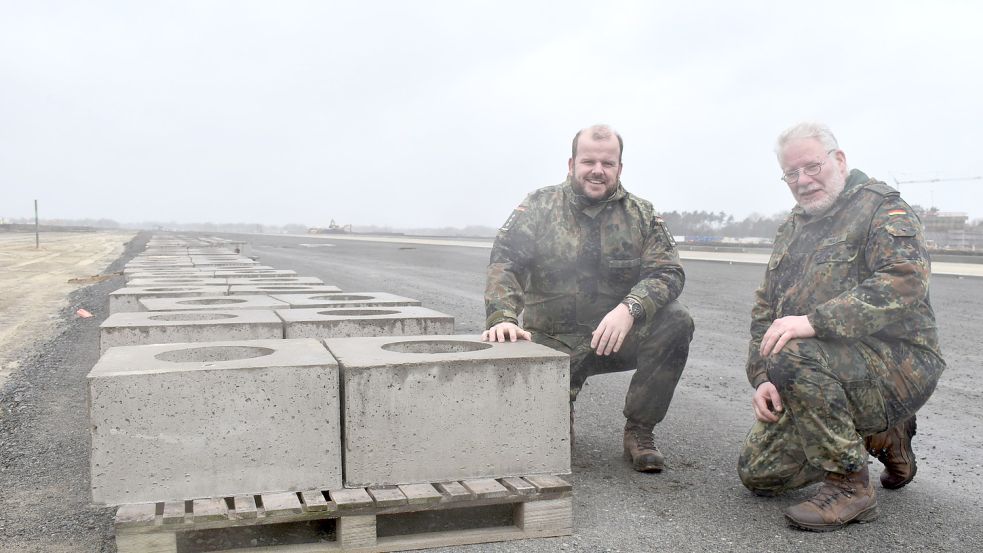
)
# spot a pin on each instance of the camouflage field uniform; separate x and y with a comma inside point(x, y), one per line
point(860, 273)
point(564, 264)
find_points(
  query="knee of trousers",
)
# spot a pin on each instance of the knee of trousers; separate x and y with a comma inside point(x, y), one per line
point(798, 357)
point(672, 320)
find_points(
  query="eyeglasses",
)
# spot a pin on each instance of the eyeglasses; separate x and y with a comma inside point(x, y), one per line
point(810, 170)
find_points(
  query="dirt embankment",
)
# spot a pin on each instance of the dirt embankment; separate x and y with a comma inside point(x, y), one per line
point(35, 282)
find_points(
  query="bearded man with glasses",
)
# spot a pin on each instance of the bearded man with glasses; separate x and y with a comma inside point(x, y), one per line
point(844, 348)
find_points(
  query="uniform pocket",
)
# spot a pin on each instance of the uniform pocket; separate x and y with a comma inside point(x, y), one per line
point(624, 271)
point(841, 252)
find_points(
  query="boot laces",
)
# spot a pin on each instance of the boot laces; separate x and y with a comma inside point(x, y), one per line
point(643, 438)
point(829, 493)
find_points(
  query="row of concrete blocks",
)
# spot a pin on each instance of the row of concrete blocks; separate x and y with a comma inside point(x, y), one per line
point(166, 327)
point(186, 420)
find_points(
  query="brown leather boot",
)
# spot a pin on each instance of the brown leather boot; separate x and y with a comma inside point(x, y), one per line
point(640, 448)
point(842, 499)
point(893, 448)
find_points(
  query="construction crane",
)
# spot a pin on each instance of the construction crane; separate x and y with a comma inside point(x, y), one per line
point(898, 183)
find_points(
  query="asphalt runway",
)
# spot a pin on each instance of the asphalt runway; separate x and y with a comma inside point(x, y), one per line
point(698, 503)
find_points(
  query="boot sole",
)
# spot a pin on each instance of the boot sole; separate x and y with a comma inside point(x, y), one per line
point(643, 467)
point(868, 515)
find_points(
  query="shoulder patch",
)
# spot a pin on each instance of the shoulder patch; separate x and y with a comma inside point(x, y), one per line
point(659, 225)
point(515, 215)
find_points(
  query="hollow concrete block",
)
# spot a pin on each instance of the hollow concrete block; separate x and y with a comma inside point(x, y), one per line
point(169, 327)
point(164, 281)
point(346, 299)
point(126, 300)
point(181, 421)
point(254, 272)
point(364, 321)
point(274, 288)
point(273, 280)
point(439, 408)
point(213, 302)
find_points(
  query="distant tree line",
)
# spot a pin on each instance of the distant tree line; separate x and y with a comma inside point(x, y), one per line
point(708, 223)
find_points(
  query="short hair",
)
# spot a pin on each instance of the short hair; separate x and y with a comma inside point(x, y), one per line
point(599, 132)
point(807, 129)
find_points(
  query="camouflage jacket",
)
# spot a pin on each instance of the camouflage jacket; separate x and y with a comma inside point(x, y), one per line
point(567, 263)
point(860, 271)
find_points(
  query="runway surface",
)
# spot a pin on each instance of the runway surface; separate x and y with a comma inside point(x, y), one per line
point(698, 503)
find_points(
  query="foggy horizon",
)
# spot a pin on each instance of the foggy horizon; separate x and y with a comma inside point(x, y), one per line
point(444, 114)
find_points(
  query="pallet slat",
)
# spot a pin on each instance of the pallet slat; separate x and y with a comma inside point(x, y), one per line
point(174, 512)
point(387, 496)
point(518, 485)
point(420, 494)
point(245, 507)
point(549, 484)
point(135, 516)
point(314, 501)
point(279, 504)
point(453, 491)
point(485, 488)
point(351, 499)
point(209, 509)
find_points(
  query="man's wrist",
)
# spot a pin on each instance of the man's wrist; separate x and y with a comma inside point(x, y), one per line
point(635, 308)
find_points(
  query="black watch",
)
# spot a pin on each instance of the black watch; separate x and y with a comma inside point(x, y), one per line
point(634, 308)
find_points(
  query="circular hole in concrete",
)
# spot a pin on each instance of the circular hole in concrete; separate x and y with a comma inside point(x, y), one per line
point(212, 301)
point(167, 289)
point(435, 346)
point(356, 312)
point(284, 287)
point(213, 354)
point(191, 317)
point(341, 297)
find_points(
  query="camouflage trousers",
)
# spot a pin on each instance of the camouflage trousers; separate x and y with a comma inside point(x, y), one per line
point(833, 393)
point(656, 348)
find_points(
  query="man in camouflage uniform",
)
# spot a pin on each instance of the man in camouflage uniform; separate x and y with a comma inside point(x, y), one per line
point(595, 273)
point(844, 348)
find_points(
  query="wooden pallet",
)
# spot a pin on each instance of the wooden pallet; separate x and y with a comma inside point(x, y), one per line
point(541, 506)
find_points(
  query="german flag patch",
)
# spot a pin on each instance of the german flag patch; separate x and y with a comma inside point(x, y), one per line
point(897, 212)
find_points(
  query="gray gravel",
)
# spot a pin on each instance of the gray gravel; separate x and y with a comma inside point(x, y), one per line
point(698, 504)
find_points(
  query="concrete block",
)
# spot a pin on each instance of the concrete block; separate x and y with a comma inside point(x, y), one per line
point(166, 271)
point(439, 408)
point(346, 299)
point(245, 289)
point(212, 303)
point(134, 329)
point(364, 321)
point(181, 421)
point(260, 270)
point(175, 281)
point(277, 280)
point(126, 300)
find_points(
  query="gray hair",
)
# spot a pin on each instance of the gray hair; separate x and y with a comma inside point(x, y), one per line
point(807, 129)
point(599, 132)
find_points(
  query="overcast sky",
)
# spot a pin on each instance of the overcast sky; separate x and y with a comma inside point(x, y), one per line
point(424, 114)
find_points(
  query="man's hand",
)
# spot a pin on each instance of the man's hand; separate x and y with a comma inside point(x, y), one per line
point(782, 330)
point(501, 331)
point(767, 404)
point(612, 331)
